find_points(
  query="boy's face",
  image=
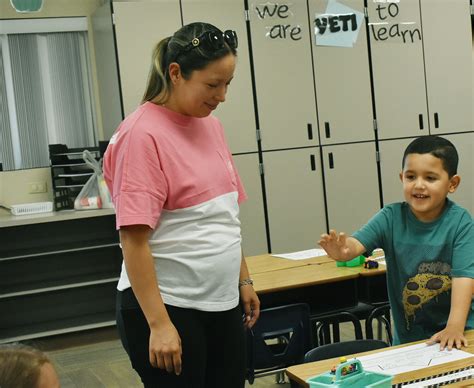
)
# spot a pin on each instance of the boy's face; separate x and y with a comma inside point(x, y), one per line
point(426, 185)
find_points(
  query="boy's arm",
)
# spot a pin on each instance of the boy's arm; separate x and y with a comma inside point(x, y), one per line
point(461, 299)
point(340, 247)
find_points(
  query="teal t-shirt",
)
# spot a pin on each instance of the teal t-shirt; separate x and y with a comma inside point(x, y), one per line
point(421, 257)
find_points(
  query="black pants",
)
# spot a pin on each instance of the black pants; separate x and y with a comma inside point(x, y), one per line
point(213, 345)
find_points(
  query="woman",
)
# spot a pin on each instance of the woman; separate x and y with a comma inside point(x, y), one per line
point(176, 193)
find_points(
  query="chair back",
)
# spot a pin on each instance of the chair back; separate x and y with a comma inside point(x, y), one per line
point(382, 315)
point(280, 338)
point(324, 322)
point(344, 348)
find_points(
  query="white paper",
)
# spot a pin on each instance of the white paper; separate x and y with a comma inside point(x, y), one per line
point(301, 255)
point(410, 358)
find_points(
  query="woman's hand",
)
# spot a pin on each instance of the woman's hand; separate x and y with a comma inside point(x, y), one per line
point(165, 348)
point(251, 305)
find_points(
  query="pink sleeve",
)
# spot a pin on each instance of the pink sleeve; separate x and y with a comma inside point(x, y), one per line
point(138, 185)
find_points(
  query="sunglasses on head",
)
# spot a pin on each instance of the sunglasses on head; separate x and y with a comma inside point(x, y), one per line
point(212, 40)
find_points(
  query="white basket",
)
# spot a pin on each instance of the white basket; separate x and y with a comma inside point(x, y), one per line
point(31, 208)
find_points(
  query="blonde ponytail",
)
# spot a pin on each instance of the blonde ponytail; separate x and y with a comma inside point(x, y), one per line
point(158, 84)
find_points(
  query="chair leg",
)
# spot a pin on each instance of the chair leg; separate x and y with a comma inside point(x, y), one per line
point(280, 378)
point(379, 329)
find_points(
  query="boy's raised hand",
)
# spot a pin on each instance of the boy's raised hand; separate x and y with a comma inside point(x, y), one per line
point(335, 244)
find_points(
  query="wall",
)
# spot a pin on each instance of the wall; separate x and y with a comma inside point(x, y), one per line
point(15, 185)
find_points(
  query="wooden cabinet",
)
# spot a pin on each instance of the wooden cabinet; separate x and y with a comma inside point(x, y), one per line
point(281, 52)
point(448, 64)
point(139, 25)
point(252, 216)
point(398, 69)
point(421, 55)
point(62, 277)
point(295, 198)
point(350, 174)
point(342, 74)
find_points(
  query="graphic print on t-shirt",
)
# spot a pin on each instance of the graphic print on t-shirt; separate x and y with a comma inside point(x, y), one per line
point(431, 280)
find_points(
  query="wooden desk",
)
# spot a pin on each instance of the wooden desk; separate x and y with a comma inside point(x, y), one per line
point(268, 263)
point(316, 281)
point(301, 276)
point(324, 287)
point(300, 373)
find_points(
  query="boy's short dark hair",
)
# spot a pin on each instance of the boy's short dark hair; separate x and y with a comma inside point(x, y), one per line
point(437, 146)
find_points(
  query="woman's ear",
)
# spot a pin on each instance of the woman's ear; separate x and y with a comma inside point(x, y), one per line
point(174, 71)
point(454, 182)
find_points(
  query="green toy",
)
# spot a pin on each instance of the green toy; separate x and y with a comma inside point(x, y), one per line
point(355, 262)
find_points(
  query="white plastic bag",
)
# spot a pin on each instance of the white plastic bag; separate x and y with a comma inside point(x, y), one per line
point(94, 194)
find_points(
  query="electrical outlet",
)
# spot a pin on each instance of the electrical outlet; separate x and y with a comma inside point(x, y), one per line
point(37, 187)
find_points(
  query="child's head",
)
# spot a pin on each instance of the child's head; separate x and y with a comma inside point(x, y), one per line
point(438, 147)
point(25, 367)
point(428, 175)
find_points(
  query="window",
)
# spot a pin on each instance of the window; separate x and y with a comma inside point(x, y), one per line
point(45, 89)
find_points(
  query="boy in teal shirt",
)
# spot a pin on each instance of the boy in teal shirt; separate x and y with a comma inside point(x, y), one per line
point(428, 242)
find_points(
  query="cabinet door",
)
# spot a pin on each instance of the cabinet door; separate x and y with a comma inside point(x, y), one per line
point(448, 62)
point(341, 72)
point(281, 50)
point(464, 195)
point(391, 155)
point(398, 70)
point(294, 192)
point(350, 173)
point(139, 26)
point(110, 113)
point(237, 114)
point(254, 237)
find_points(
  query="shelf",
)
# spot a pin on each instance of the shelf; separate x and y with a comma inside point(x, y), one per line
point(69, 186)
point(62, 278)
point(75, 175)
point(69, 173)
point(77, 153)
point(73, 283)
point(47, 329)
point(57, 310)
point(69, 235)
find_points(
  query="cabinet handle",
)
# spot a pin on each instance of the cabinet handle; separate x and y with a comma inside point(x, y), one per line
point(310, 131)
point(420, 120)
point(436, 120)
point(328, 130)
point(331, 160)
point(313, 162)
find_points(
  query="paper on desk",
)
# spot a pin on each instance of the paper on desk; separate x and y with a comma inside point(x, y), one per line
point(410, 358)
point(301, 255)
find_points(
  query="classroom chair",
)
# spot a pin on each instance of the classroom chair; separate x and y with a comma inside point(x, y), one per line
point(326, 327)
point(280, 338)
point(343, 349)
point(382, 315)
